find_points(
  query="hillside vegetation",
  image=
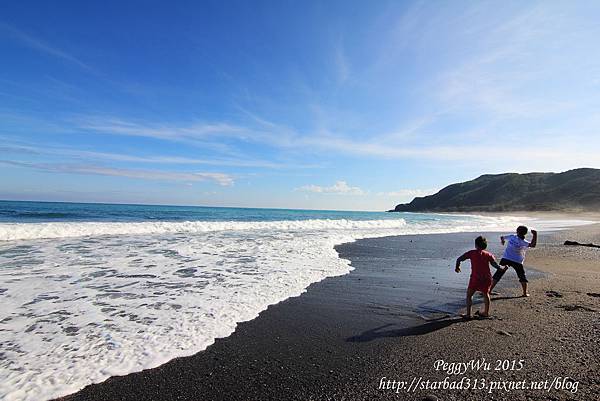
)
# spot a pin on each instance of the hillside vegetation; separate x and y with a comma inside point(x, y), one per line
point(577, 190)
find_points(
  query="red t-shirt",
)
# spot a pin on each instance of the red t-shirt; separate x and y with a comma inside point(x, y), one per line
point(481, 277)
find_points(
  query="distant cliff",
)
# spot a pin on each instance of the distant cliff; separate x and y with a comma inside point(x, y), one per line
point(577, 189)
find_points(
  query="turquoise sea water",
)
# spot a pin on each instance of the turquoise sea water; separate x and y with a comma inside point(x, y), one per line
point(21, 211)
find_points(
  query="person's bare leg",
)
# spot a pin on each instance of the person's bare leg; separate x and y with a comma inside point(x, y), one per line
point(470, 293)
point(494, 282)
point(487, 301)
point(525, 293)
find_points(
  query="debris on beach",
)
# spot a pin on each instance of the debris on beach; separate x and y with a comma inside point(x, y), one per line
point(575, 243)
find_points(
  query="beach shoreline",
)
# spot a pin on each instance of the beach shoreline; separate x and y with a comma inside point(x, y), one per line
point(322, 346)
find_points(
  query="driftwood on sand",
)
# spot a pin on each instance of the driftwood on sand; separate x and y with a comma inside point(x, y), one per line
point(590, 245)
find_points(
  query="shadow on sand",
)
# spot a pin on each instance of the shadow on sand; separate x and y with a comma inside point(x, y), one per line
point(507, 297)
point(432, 325)
point(380, 332)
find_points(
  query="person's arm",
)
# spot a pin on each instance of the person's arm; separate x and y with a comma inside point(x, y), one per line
point(460, 259)
point(533, 242)
point(497, 266)
point(502, 239)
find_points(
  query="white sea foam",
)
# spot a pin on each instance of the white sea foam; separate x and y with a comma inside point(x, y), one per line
point(85, 301)
point(20, 231)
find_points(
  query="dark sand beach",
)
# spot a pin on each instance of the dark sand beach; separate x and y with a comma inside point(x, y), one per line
point(340, 338)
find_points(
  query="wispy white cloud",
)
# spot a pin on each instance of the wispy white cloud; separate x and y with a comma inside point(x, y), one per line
point(39, 45)
point(271, 134)
point(340, 187)
point(215, 136)
point(122, 157)
point(523, 68)
point(220, 178)
point(384, 145)
point(408, 142)
point(194, 131)
point(342, 65)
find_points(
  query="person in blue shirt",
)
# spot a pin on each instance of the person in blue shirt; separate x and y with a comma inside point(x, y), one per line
point(514, 255)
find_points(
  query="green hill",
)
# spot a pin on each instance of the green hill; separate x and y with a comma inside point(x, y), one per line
point(577, 190)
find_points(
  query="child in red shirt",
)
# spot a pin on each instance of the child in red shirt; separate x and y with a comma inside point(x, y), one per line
point(481, 278)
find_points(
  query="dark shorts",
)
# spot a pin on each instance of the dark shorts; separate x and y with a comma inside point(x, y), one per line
point(517, 266)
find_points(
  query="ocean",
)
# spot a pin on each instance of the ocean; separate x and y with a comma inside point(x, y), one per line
point(90, 291)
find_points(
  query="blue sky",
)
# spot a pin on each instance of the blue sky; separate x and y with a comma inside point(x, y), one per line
point(300, 104)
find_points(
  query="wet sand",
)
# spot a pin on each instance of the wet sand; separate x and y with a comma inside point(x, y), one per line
point(338, 340)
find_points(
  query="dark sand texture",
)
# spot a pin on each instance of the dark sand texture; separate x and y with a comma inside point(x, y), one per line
point(336, 341)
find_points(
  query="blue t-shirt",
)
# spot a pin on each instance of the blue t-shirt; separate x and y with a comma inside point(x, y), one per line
point(515, 248)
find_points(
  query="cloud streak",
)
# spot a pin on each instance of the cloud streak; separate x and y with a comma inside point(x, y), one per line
point(220, 178)
point(121, 157)
point(405, 143)
point(194, 131)
point(40, 46)
point(340, 187)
